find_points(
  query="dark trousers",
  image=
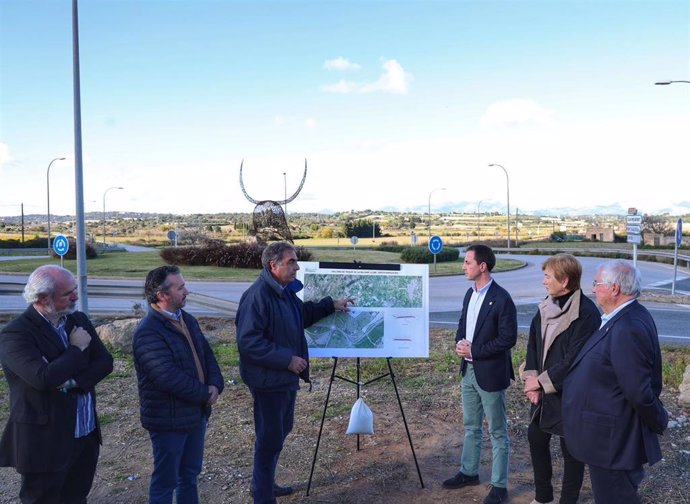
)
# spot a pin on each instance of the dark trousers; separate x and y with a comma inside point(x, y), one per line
point(177, 459)
point(573, 470)
point(609, 485)
point(68, 486)
point(273, 416)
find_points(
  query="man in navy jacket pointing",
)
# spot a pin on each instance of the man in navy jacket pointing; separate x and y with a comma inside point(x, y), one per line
point(274, 356)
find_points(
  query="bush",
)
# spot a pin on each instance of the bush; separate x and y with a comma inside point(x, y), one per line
point(216, 253)
point(422, 255)
point(34, 242)
point(72, 252)
point(391, 246)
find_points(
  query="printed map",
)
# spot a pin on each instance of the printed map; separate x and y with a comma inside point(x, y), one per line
point(390, 316)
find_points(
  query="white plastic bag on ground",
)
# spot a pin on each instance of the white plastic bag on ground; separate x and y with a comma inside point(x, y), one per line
point(361, 419)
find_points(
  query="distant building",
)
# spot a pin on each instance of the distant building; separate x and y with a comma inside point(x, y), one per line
point(659, 240)
point(599, 234)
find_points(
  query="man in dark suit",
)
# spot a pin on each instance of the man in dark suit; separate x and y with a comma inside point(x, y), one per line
point(612, 414)
point(487, 330)
point(52, 359)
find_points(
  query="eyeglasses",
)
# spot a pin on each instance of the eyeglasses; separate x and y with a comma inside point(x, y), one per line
point(597, 284)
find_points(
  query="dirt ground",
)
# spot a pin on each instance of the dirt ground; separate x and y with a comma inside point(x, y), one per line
point(381, 471)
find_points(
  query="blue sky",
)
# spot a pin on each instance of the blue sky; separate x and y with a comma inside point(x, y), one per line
point(387, 100)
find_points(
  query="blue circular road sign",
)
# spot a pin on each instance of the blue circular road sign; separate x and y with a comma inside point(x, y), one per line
point(679, 232)
point(60, 245)
point(435, 244)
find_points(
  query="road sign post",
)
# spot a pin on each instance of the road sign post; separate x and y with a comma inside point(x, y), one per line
point(435, 246)
point(172, 236)
point(61, 247)
point(679, 240)
point(634, 230)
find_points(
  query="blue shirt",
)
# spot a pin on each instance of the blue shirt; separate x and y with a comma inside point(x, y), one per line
point(86, 414)
point(605, 317)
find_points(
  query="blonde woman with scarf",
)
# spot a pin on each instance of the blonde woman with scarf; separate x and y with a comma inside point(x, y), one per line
point(562, 324)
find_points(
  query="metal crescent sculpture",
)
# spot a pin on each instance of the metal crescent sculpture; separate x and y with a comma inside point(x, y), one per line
point(269, 221)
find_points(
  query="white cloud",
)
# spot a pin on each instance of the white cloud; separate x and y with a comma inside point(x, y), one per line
point(342, 87)
point(393, 80)
point(514, 112)
point(341, 64)
point(4, 154)
point(281, 121)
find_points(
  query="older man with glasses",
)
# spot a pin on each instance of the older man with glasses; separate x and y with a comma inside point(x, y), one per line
point(612, 414)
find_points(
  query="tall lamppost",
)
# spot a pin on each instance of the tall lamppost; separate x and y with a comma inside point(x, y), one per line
point(478, 228)
point(48, 192)
point(667, 82)
point(432, 192)
point(507, 198)
point(106, 192)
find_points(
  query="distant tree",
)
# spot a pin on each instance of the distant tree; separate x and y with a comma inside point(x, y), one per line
point(361, 227)
point(657, 224)
point(325, 232)
point(191, 237)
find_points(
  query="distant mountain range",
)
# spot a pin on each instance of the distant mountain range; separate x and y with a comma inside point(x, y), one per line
point(681, 208)
point(677, 209)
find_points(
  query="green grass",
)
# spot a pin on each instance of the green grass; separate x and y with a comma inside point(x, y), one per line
point(137, 264)
point(226, 354)
point(676, 359)
point(105, 419)
point(131, 265)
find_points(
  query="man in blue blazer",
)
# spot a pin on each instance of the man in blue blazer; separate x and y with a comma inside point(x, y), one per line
point(487, 330)
point(612, 414)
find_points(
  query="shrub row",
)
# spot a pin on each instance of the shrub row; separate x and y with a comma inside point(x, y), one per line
point(391, 246)
point(35, 242)
point(72, 251)
point(216, 253)
point(422, 255)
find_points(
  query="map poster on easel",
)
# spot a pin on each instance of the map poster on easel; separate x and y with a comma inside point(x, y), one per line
point(391, 313)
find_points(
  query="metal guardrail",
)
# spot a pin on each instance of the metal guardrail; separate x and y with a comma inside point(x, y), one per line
point(682, 258)
point(103, 290)
point(222, 307)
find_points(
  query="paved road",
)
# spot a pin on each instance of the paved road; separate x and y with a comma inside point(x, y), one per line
point(20, 258)
point(673, 321)
point(445, 295)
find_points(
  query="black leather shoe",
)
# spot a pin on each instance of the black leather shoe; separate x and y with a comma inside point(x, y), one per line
point(461, 480)
point(281, 491)
point(497, 495)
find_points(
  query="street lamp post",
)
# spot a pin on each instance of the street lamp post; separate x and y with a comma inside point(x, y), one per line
point(106, 192)
point(507, 198)
point(667, 82)
point(478, 228)
point(48, 192)
point(285, 192)
point(432, 192)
